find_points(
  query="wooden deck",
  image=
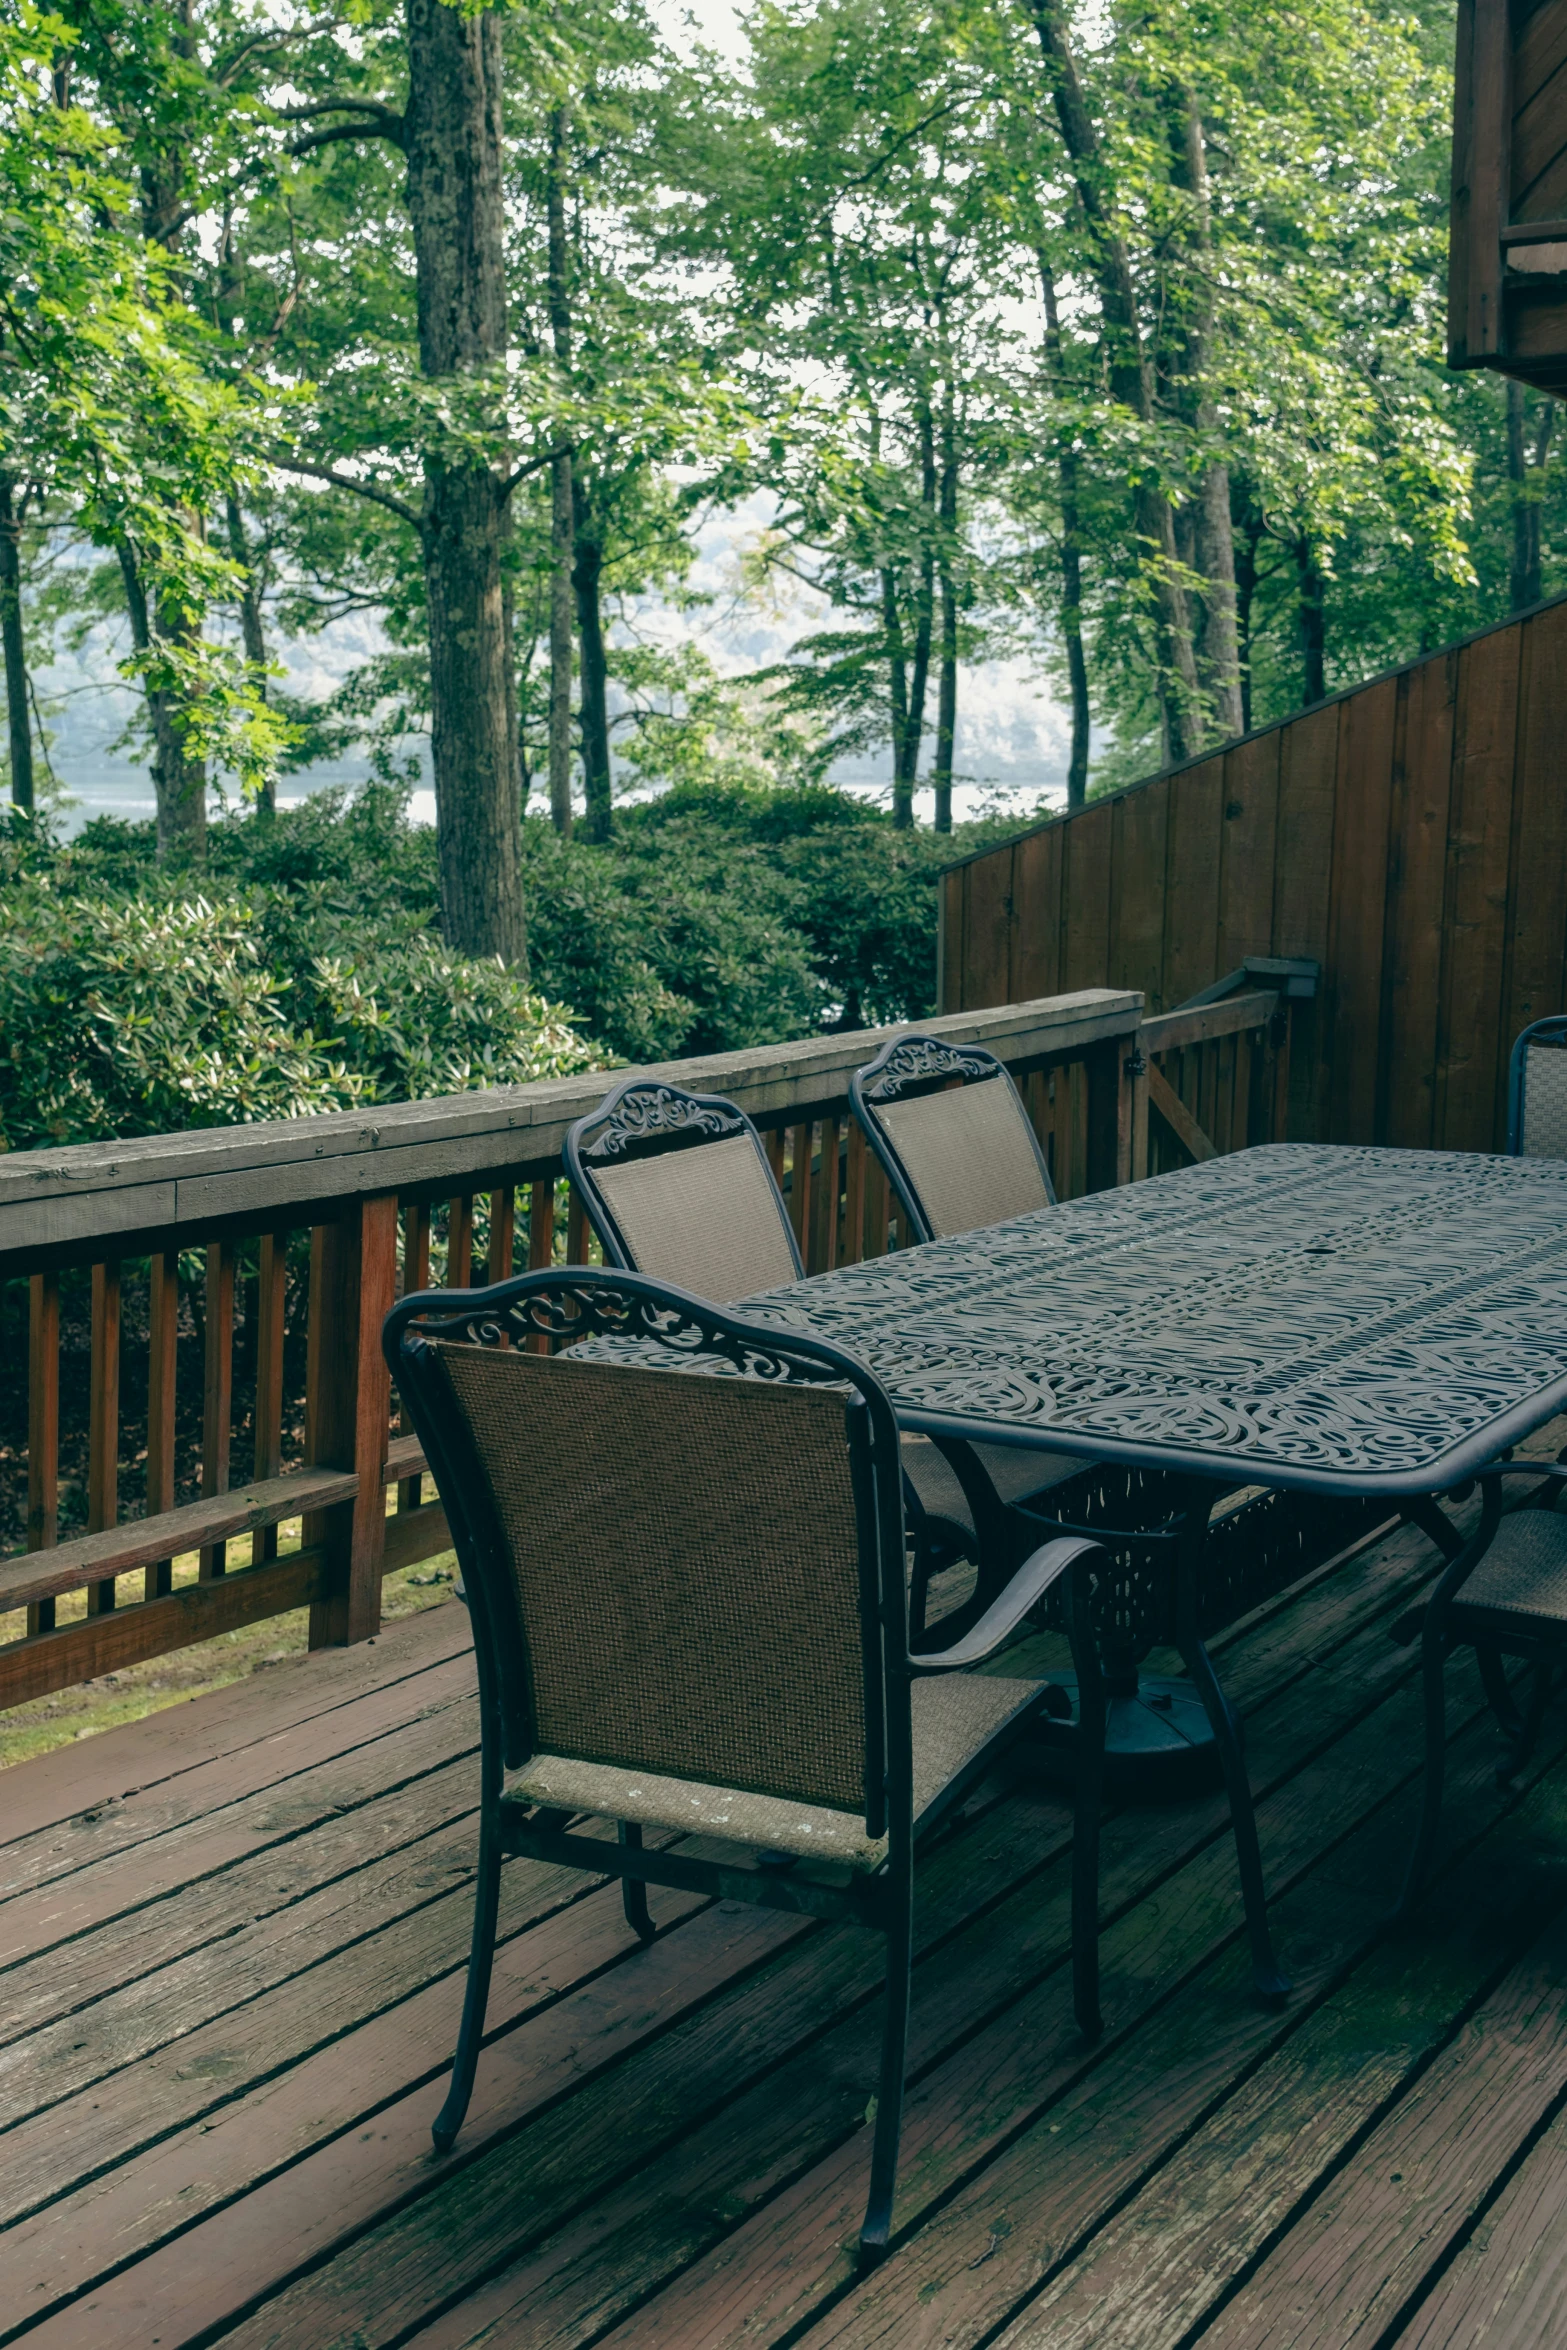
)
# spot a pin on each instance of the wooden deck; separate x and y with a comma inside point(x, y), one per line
point(233, 1935)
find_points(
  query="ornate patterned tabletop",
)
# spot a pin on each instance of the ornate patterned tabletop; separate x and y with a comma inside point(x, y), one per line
point(1349, 1321)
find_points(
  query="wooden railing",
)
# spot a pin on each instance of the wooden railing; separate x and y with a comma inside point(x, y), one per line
point(1215, 1073)
point(274, 1252)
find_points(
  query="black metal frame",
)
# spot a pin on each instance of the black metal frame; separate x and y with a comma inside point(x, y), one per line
point(643, 1117)
point(564, 1307)
point(912, 1065)
point(1448, 1620)
point(1552, 1030)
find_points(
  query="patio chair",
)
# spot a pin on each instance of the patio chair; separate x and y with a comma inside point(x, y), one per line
point(689, 1618)
point(1503, 1593)
point(949, 1127)
point(1537, 1091)
point(677, 1185)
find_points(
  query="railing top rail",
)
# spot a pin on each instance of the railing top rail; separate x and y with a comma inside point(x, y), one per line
point(64, 1200)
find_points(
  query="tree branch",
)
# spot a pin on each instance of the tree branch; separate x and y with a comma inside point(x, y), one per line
point(361, 489)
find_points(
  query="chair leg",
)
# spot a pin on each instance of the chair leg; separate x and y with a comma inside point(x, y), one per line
point(1493, 1679)
point(486, 1907)
point(889, 2094)
point(1433, 1667)
point(1271, 1981)
point(1085, 1818)
point(632, 1890)
point(1541, 1680)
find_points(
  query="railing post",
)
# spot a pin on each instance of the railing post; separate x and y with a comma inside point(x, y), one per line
point(43, 1428)
point(353, 1283)
point(1110, 1113)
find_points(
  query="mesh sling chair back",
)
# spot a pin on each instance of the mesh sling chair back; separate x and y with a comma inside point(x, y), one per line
point(677, 1185)
point(1537, 1091)
point(1503, 1592)
point(949, 1127)
point(689, 1616)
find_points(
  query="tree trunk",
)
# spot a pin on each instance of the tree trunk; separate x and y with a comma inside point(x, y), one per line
point(1525, 582)
point(1071, 567)
point(179, 783)
point(252, 633)
point(587, 574)
point(947, 692)
point(453, 140)
point(1219, 670)
point(15, 650)
point(1245, 595)
point(1313, 624)
point(898, 682)
point(1130, 385)
point(562, 486)
point(924, 621)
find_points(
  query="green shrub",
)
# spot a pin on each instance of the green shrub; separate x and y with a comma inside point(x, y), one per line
point(138, 1016)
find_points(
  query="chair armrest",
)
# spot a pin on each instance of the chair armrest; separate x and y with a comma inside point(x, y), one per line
point(1551, 1469)
point(1006, 1611)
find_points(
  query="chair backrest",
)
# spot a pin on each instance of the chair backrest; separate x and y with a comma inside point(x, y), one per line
point(676, 1574)
point(1537, 1091)
point(677, 1186)
point(949, 1126)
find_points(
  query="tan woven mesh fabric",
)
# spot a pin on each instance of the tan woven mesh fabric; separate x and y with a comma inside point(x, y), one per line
point(705, 1218)
point(1525, 1570)
point(954, 1718)
point(685, 1562)
point(968, 1155)
point(1544, 1102)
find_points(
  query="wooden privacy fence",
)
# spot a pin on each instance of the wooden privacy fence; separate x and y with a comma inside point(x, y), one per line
point(181, 1226)
point(1409, 836)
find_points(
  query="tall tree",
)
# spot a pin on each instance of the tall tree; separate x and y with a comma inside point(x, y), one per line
point(13, 508)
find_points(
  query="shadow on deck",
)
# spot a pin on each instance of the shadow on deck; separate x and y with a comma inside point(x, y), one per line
point(232, 1939)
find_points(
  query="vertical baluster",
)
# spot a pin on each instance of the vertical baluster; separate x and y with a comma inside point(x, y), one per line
point(774, 1141)
point(271, 1298)
point(416, 1276)
point(353, 1281)
point(503, 1233)
point(854, 1195)
point(1240, 1095)
point(824, 1234)
point(103, 1425)
point(163, 1309)
point(217, 1395)
point(878, 1201)
point(577, 1228)
point(541, 1242)
point(801, 1138)
point(459, 1243)
point(1077, 1093)
point(43, 1428)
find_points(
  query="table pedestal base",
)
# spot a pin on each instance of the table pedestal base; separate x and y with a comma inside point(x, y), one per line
point(1158, 1740)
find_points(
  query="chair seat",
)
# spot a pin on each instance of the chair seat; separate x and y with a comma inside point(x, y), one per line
point(955, 1717)
point(1015, 1473)
point(1524, 1573)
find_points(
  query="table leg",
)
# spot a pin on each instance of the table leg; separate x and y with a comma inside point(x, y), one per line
point(1271, 1982)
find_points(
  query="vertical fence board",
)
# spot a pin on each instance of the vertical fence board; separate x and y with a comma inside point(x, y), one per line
point(1141, 835)
point(1036, 894)
point(1352, 989)
point(1191, 918)
point(1479, 858)
point(1538, 936)
point(1417, 871)
point(1248, 845)
point(987, 930)
point(1085, 897)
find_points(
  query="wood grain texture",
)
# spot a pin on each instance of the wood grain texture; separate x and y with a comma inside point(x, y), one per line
point(1137, 902)
point(1191, 923)
point(103, 1427)
point(1086, 883)
point(1479, 873)
point(1036, 883)
point(1352, 980)
point(1248, 846)
point(43, 1429)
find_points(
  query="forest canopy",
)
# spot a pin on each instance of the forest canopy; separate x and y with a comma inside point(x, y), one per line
point(1102, 337)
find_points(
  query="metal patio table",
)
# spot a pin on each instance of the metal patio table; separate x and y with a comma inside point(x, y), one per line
point(1359, 1323)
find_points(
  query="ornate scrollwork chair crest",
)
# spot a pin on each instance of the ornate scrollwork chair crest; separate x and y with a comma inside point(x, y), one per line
point(949, 1126)
point(689, 1615)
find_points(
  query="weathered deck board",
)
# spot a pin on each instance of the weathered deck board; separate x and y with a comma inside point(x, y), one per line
point(232, 1993)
